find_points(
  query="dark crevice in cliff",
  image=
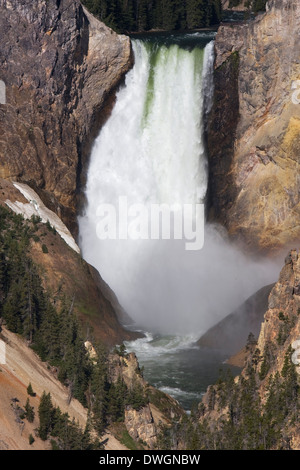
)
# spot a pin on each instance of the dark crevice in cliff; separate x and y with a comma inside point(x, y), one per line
point(221, 130)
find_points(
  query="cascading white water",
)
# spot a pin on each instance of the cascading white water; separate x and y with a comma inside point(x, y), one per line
point(151, 150)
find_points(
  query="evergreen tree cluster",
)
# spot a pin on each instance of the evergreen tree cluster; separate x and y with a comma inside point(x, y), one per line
point(21, 297)
point(65, 434)
point(145, 15)
point(27, 309)
point(248, 420)
point(56, 336)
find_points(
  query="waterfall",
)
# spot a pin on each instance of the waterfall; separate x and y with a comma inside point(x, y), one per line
point(151, 151)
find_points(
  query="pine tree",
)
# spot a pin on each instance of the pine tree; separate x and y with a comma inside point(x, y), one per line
point(3, 279)
point(117, 397)
point(273, 414)
point(13, 307)
point(259, 5)
point(99, 390)
point(142, 15)
point(30, 390)
point(266, 362)
point(195, 14)
point(136, 396)
point(45, 413)
point(29, 411)
point(290, 387)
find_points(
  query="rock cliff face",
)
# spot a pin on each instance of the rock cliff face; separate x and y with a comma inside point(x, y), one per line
point(268, 368)
point(254, 129)
point(61, 67)
point(144, 423)
point(230, 334)
point(281, 324)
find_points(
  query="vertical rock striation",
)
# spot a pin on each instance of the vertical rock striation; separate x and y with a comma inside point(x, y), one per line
point(61, 67)
point(254, 129)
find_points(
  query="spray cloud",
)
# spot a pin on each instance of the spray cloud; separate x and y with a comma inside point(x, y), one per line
point(151, 151)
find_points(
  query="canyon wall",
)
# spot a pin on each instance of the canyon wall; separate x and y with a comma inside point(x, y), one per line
point(268, 384)
point(64, 274)
point(254, 129)
point(61, 67)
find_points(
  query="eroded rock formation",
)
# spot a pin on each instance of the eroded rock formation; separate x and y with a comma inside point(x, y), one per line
point(143, 423)
point(254, 131)
point(61, 67)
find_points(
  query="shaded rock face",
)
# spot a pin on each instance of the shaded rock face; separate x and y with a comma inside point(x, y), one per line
point(61, 67)
point(230, 335)
point(254, 129)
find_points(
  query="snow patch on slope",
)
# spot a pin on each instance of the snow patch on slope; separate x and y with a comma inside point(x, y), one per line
point(36, 207)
